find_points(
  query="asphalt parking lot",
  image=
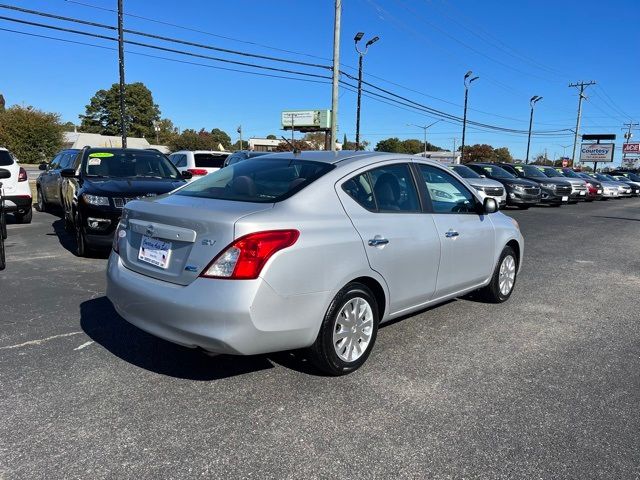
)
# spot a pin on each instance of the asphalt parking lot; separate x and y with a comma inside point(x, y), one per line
point(544, 386)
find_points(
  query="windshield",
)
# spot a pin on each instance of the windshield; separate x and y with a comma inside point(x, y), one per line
point(464, 172)
point(130, 164)
point(601, 177)
point(261, 181)
point(496, 172)
point(550, 172)
point(529, 171)
point(609, 177)
point(5, 158)
point(633, 176)
point(570, 173)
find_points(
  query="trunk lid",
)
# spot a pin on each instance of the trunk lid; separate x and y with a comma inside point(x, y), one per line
point(194, 229)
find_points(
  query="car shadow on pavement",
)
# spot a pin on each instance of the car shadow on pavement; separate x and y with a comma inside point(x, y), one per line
point(101, 322)
point(67, 241)
point(617, 218)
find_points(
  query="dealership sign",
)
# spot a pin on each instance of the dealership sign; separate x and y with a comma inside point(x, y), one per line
point(631, 148)
point(597, 152)
point(306, 119)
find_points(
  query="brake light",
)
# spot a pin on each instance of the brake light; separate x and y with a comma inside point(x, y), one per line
point(22, 175)
point(197, 171)
point(245, 257)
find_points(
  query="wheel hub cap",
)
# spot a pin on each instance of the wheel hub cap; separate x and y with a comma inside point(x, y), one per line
point(507, 275)
point(353, 329)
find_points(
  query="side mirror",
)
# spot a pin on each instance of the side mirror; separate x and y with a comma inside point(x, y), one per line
point(68, 173)
point(186, 175)
point(490, 205)
point(4, 173)
point(42, 166)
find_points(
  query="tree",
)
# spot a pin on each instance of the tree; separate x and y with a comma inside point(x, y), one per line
point(393, 145)
point(167, 131)
point(271, 136)
point(410, 146)
point(220, 137)
point(102, 115)
point(503, 155)
point(69, 126)
point(315, 139)
point(32, 135)
point(2, 103)
point(298, 144)
point(478, 153)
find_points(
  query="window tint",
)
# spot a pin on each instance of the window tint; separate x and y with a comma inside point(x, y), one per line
point(393, 189)
point(67, 160)
point(360, 189)
point(209, 160)
point(55, 163)
point(182, 161)
point(262, 181)
point(5, 158)
point(448, 195)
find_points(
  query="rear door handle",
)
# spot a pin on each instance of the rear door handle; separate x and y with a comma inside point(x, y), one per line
point(378, 241)
point(451, 234)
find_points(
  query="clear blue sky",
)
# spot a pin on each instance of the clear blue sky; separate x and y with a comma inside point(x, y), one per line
point(519, 49)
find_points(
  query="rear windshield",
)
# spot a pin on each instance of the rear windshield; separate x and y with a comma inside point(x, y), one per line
point(5, 158)
point(464, 171)
point(209, 160)
point(262, 181)
point(127, 164)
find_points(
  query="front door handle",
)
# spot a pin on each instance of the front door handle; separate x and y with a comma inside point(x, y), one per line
point(378, 241)
point(451, 234)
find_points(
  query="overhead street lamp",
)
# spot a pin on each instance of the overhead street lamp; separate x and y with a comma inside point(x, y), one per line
point(156, 128)
point(535, 99)
point(424, 127)
point(361, 55)
point(564, 148)
point(467, 83)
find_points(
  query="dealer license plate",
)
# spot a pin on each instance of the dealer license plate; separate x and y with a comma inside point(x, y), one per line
point(599, 191)
point(154, 251)
point(565, 199)
point(583, 193)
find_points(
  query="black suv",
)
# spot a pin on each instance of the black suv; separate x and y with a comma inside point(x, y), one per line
point(100, 183)
point(554, 191)
point(520, 193)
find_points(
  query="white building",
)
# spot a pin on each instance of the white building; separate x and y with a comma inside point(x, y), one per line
point(442, 157)
point(263, 144)
point(79, 140)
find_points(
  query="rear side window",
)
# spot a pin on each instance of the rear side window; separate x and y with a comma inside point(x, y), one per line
point(261, 181)
point(388, 189)
point(209, 160)
point(5, 158)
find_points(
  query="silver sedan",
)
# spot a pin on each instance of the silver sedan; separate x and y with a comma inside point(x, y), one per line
point(310, 250)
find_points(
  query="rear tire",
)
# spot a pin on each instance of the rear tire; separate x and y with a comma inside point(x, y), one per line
point(25, 217)
point(41, 203)
point(348, 331)
point(3, 263)
point(504, 278)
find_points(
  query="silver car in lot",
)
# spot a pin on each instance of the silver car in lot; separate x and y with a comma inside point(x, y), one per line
point(311, 250)
point(485, 186)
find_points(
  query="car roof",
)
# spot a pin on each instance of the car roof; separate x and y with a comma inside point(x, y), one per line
point(340, 156)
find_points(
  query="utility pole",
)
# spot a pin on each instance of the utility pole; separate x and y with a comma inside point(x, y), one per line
point(454, 149)
point(532, 102)
point(467, 83)
point(336, 74)
point(361, 55)
point(239, 130)
point(627, 136)
point(425, 128)
point(581, 96)
point(123, 125)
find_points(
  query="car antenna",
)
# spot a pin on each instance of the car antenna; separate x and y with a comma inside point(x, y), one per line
point(293, 147)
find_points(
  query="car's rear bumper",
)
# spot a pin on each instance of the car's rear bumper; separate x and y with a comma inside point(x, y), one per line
point(224, 316)
point(17, 203)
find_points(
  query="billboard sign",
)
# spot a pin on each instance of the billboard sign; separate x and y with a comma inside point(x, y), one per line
point(597, 152)
point(306, 119)
point(631, 162)
point(631, 148)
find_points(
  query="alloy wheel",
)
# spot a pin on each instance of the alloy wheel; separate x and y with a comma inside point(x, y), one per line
point(353, 329)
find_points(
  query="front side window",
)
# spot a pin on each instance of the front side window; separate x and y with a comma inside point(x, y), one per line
point(128, 164)
point(67, 160)
point(55, 163)
point(448, 195)
point(261, 181)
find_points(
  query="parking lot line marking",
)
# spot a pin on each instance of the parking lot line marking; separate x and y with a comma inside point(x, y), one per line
point(85, 344)
point(39, 257)
point(40, 341)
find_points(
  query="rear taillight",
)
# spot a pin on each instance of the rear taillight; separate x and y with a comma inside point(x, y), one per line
point(121, 232)
point(22, 175)
point(245, 257)
point(197, 171)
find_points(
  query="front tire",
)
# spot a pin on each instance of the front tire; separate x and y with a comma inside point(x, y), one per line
point(348, 331)
point(504, 278)
point(82, 250)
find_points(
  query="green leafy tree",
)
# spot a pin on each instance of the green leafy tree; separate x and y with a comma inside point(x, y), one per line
point(478, 153)
point(32, 135)
point(503, 155)
point(392, 145)
point(102, 115)
point(167, 131)
point(410, 146)
point(2, 103)
point(271, 136)
point(69, 126)
point(220, 137)
point(298, 144)
point(202, 140)
point(347, 145)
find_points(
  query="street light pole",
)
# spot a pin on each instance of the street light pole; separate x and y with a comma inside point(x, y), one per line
point(425, 128)
point(467, 83)
point(361, 55)
point(335, 74)
point(239, 130)
point(535, 99)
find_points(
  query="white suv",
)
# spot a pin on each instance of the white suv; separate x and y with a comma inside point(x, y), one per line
point(15, 189)
point(198, 162)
